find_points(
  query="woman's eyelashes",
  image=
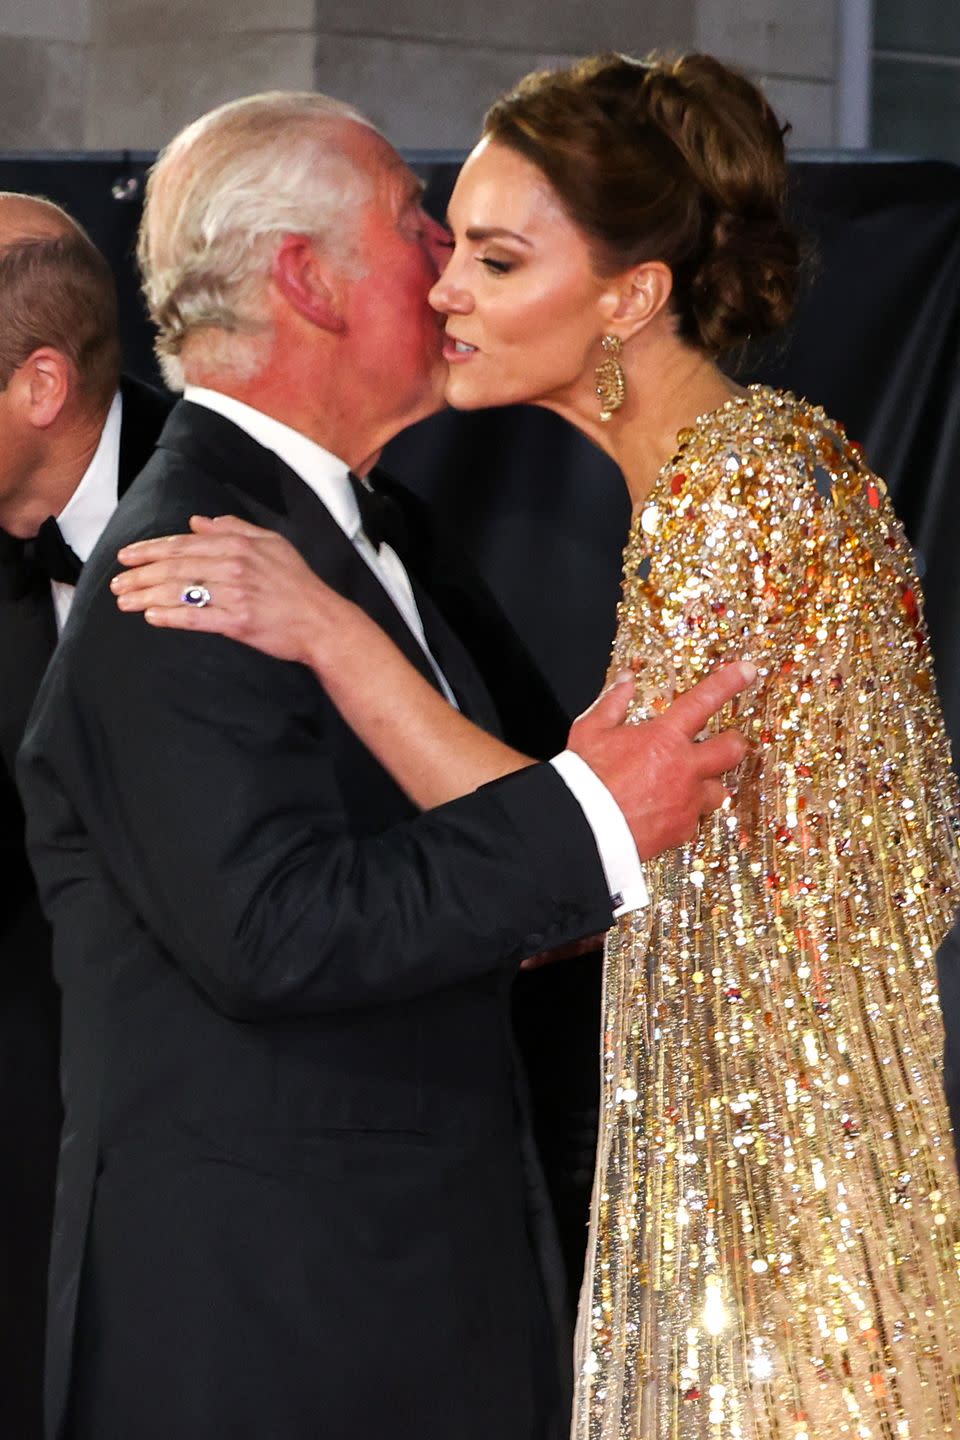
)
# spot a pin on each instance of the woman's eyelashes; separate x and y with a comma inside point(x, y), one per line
point(495, 265)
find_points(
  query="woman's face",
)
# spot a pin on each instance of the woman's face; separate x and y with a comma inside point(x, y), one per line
point(519, 293)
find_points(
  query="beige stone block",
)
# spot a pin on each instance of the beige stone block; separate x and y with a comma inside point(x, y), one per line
point(143, 94)
point(147, 22)
point(809, 106)
point(771, 36)
point(576, 26)
point(42, 87)
point(423, 96)
point(46, 19)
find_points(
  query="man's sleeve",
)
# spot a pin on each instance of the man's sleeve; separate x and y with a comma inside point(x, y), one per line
point(618, 852)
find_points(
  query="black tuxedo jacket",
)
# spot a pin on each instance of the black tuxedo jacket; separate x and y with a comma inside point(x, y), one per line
point(291, 1175)
point(29, 1000)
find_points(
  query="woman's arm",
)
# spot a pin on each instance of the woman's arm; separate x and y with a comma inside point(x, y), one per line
point(266, 596)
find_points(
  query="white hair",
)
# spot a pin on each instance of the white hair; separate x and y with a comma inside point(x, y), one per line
point(219, 199)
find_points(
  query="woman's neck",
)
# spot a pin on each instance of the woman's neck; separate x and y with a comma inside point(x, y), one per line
point(668, 403)
point(668, 385)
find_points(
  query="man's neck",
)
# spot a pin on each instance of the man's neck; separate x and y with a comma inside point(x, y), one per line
point(345, 420)
point(321, 423)
point(49, 484)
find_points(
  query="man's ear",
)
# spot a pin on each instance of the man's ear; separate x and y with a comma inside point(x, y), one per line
point(40, 386)
point(636, 297)
point(307, 283)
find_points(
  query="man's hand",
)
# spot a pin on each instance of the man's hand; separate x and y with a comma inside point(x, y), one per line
point(661, 776)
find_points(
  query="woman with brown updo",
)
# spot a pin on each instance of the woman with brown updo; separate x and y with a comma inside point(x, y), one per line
point(775, 1223)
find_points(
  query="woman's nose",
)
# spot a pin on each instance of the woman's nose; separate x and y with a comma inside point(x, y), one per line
point(449, 298)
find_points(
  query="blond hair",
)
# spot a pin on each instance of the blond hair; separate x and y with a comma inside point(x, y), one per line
point(219, 199)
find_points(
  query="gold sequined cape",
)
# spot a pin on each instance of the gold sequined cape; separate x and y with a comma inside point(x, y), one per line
point(774, 1238)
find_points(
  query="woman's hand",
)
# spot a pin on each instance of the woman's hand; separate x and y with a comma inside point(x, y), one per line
point(262, 592)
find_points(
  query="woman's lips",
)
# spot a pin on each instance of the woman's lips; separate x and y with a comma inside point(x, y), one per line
point(457, 351)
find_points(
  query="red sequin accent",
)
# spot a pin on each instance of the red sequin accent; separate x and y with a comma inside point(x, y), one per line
point(911, 607)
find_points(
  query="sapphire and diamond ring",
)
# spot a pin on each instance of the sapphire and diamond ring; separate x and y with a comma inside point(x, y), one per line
point(197, 595)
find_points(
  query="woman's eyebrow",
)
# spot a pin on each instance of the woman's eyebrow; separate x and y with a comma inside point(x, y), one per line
point(495, 232)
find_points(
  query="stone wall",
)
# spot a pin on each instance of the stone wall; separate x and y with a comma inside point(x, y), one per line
point(44, 59)
point(107, 74)
point(791, 47)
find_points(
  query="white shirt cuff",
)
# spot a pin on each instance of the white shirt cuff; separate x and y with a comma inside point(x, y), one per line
point(622, 865)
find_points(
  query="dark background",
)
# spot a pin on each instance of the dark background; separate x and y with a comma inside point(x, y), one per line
point(875, 341)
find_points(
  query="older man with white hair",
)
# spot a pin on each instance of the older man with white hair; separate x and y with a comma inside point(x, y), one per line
point(292, 1194)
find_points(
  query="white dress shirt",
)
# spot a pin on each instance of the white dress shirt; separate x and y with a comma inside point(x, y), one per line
point(84, 517)
point(327, 477)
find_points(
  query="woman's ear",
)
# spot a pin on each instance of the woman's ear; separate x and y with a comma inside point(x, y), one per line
point(307, 283)
point(636, 297)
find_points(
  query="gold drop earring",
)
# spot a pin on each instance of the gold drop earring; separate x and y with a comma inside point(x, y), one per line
point(611, 381)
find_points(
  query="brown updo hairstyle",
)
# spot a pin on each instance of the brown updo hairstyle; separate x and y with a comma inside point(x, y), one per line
point(680, 161)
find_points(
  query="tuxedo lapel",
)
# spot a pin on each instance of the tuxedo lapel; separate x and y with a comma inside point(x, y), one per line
point(259, 476)
point(323, 544)
point(427, 565)
point(335, 558)
point(28, 636)
point(451, 655)
point(144, 412)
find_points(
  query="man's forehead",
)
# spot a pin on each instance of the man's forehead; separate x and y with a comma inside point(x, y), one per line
point(372, 153)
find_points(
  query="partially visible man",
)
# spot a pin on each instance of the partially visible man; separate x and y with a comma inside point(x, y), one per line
point(292, 1196)
point(70, 442)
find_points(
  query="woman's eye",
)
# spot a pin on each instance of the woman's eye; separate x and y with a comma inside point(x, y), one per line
point(496, 267)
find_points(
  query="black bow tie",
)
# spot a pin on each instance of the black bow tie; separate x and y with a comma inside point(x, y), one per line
point(53, 556)
point(44, 558)
point(380, 518)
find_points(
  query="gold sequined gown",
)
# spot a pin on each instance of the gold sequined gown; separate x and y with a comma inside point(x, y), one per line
point(774, 1237)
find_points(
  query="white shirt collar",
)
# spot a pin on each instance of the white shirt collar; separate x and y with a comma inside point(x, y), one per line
point(84, 517)
point(326, 474)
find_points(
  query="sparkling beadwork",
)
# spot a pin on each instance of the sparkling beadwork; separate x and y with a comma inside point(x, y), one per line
point(774, 1008)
